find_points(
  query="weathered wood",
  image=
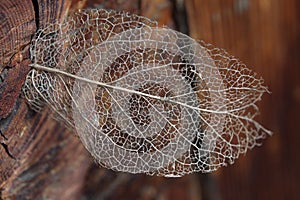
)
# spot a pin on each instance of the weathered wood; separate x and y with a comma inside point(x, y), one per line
point(265, 36)
point(39, 149)
point(17, 25)
point(11, 86)
point(33, 148)
point(19, 21)
point(41, 159)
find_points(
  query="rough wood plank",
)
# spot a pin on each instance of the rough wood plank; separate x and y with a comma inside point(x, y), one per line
point(34, 148)
point(17, 24)
point(19, 21)
point(44, 161)
point(11, 86)
point(40, 159)
point(50, 11)
point(265, 36)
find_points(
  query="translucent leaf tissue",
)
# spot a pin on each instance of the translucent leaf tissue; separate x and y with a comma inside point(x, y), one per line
point(144, 99)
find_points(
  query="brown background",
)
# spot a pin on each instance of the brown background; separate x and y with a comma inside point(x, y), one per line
point(41, 159)
point(265, 35)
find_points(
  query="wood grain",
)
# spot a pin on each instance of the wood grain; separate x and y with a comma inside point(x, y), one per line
point(265, 36)
point(34, 148)
point(16, 31)
point(40, 158)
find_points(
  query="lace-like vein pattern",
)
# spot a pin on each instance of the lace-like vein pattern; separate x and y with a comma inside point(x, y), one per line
point(144, 99)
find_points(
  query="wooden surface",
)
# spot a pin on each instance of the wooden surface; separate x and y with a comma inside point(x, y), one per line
point(41, 159)
point(265, 35)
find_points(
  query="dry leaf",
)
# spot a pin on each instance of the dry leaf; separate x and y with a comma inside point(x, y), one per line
point(145, 99)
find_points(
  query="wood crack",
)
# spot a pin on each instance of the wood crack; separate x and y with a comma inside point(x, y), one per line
point(5, 146)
